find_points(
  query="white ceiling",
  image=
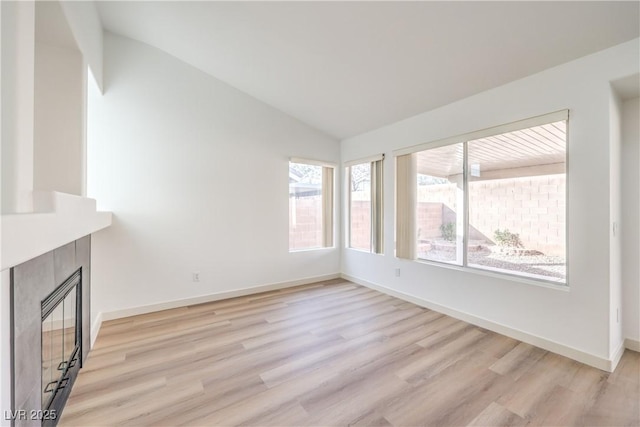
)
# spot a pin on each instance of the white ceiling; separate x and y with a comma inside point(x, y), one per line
point(349, 67)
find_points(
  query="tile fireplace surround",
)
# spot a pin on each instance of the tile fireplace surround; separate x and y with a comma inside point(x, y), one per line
point(31, 283)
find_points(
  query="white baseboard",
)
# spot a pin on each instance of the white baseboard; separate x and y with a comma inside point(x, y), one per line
point(632, 344)
point(144, 309)
point(552, 346)
point(95, 328)
point(617, 355)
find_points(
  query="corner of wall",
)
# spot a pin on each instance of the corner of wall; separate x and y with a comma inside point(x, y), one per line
point(616, 341)
point(95, 328)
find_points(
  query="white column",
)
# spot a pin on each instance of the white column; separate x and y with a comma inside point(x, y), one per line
point(17, 87)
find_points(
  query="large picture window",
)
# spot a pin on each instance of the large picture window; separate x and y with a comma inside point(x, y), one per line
point(310, 205)
point(493, 200)
point(364, 204)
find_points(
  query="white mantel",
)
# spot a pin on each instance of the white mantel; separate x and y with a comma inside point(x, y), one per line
point(58, 219)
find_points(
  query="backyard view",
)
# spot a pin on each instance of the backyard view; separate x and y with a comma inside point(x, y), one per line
point(360, 206)
point(305, 206)
point(516, 203)
point(439, 208)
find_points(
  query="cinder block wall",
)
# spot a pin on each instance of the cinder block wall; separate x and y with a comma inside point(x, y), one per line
point(534, 207)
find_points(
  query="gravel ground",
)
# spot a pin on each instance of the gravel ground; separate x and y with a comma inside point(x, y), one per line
point(544, 265)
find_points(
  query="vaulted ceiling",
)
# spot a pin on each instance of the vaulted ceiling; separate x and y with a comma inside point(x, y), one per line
point(350, 67)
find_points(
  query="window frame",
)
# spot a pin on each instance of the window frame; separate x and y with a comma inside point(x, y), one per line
point(562, 115)
point(330, 233)
point(376, 239)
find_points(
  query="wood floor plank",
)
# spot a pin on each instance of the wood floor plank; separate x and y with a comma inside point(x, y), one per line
point(335, 353)
point(561, 406)
point(85, 404)
point(497, 345)
point(614, 406)
point(362, 395)
point(290, 414)
point(627, 374)
point(314, 360)
point(495, 415)
point(518, 361)
point(450, 349)
point(455, 396)
point(258, 362)
point(530, 391)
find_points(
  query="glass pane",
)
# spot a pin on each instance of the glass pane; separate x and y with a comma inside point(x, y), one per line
point(47, 363)
point(305, 206)
point(517, 202)
point(360, 226)
point(52, 350)
point(439, 204)
point(69, 324)
point(57, 347)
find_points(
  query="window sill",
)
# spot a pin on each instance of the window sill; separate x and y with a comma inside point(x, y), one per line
point(500, 275)
point(364, 251)
point(293, 251)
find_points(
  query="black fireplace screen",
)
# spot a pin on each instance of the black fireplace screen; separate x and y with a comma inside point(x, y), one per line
point(61, 338)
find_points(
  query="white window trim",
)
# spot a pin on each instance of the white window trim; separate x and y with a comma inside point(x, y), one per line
point(545, 283)
point(484, 133)
point(313, 162)
point(369, 159)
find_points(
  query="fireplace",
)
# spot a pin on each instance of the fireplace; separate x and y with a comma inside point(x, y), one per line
point(61, 343)
point(50, 324)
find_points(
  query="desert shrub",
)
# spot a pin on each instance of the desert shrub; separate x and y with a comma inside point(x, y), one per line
point(507, 238)
point(448, 231)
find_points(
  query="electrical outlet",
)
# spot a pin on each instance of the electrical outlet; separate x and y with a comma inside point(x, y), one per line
point(196, 276)
point(397, 272)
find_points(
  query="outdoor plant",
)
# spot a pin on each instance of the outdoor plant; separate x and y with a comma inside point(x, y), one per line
point(507, 238)
point(448, 231)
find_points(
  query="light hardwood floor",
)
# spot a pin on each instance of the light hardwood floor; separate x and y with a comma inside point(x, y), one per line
point(335, 353)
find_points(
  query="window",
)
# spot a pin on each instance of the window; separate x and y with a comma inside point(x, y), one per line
point(492, 200)
point(360, 206)
point(439, 211)
point(310, 205)
point(364, 192)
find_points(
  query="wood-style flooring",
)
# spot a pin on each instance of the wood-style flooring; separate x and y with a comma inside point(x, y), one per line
point(335, 353)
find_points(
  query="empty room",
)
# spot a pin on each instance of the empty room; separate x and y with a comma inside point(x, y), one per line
point(320, 213)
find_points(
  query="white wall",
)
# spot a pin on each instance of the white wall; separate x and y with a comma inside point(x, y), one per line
point(196, 174)
point(84, 21)
point(59, 129)
point(630, 229)
point(577, 319)
point(18, 38)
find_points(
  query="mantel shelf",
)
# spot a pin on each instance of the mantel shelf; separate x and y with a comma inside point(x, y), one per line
point(58, 219)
